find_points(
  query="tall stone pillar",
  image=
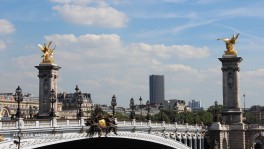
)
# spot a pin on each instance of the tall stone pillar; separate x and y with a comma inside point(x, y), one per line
point(48, 74)
point(231, 133)
point(232, 112)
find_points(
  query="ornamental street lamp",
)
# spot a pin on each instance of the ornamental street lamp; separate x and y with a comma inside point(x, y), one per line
point(140, 100)
point(169, 104)
point(80, 102)
point(185, 114)
point(148, 109)
point(18, 99)
point(195, 114)
point(19, 135)
point(52, 100)
point(30, 112)
point(175, 109)
point(79, 99)
point(132, 107)
point(113, 103)
point(216, 112)
point(91, 114)
point(161, 109)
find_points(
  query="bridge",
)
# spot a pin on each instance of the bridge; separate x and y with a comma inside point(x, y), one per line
point(39, 133)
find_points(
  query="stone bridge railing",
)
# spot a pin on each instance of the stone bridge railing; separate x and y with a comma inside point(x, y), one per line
point(187, 135)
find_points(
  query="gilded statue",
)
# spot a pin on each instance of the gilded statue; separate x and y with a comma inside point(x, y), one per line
point(2, 138)
point(230, 44)
point(47, 52)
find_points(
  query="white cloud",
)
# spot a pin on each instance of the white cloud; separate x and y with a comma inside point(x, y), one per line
point(252, 10)
point(104, 66)
point(187, 51)
point(100, 15)
point(80, 2)
point(193, 24)
point(6, 27)
point(162, 51)
point(88, 43)
point(254, 78)
point(180, 68)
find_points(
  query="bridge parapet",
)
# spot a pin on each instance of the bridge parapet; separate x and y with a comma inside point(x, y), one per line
point(52, 129)
point(39, 123)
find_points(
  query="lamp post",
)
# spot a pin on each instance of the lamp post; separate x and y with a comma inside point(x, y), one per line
point(185, 114)
point(30, 112)
point(195, 114)
point(161, 109)
point(216, 114)
point(52, 100)
point(91, 114)
point(132, 106)
point(169, 104)
point(148, 109)
point(113, 103)
point(140, 100)
point(244, 95)
point(19, 135)
point(18, 99)
point(79, 99)
point(175, 109)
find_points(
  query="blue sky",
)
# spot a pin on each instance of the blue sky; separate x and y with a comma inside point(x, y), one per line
point(111, 47)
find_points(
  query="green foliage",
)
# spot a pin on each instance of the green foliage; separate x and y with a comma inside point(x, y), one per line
point(169, 116)
point(249, 118)
point(121, 117)
point(212, 109)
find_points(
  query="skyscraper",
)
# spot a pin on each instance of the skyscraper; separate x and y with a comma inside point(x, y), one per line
point(156, 88)
point(194, 104)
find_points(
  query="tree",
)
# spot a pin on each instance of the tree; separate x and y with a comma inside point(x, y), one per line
point(216, 107)
point(249, 118)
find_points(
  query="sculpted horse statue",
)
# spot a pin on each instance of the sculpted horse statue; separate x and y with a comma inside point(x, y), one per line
point(47, 52)
point(101, 125)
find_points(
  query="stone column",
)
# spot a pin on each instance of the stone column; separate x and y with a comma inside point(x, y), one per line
point(195, 142)
point(48, 74)
point(232, 112)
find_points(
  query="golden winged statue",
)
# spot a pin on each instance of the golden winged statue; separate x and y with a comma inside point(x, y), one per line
point(2, 138)
point(47, 52)
point(230, 44)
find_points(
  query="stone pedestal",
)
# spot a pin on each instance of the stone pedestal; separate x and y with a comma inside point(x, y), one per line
point(48, 74)
point(232, 112)
point(237, 136)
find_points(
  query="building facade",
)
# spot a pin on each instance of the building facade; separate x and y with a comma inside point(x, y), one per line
point(156, 88)
point(194, 104)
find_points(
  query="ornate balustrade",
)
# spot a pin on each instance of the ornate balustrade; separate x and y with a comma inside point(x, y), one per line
point(38, 123)
point(182, 135)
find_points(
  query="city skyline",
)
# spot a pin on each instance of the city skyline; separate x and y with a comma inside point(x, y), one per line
point(111, 47)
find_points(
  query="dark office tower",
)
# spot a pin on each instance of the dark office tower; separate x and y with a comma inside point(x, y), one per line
point(156, 88)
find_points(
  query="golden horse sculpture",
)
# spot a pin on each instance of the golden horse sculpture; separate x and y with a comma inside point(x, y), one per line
point(47, 53)
point(230, 44)
point(2, 138)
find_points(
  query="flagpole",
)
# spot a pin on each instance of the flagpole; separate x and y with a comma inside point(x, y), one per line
point(244, 103)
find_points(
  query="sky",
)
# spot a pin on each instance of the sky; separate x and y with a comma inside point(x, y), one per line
point(111, 47)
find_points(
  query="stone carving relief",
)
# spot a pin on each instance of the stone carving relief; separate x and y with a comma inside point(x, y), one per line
point(230, 80)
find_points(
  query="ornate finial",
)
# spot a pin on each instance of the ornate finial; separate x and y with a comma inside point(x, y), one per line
point(230, 44)
point(47, 53)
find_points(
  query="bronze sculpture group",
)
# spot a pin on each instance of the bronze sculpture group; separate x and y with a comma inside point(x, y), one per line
point(100, 124)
